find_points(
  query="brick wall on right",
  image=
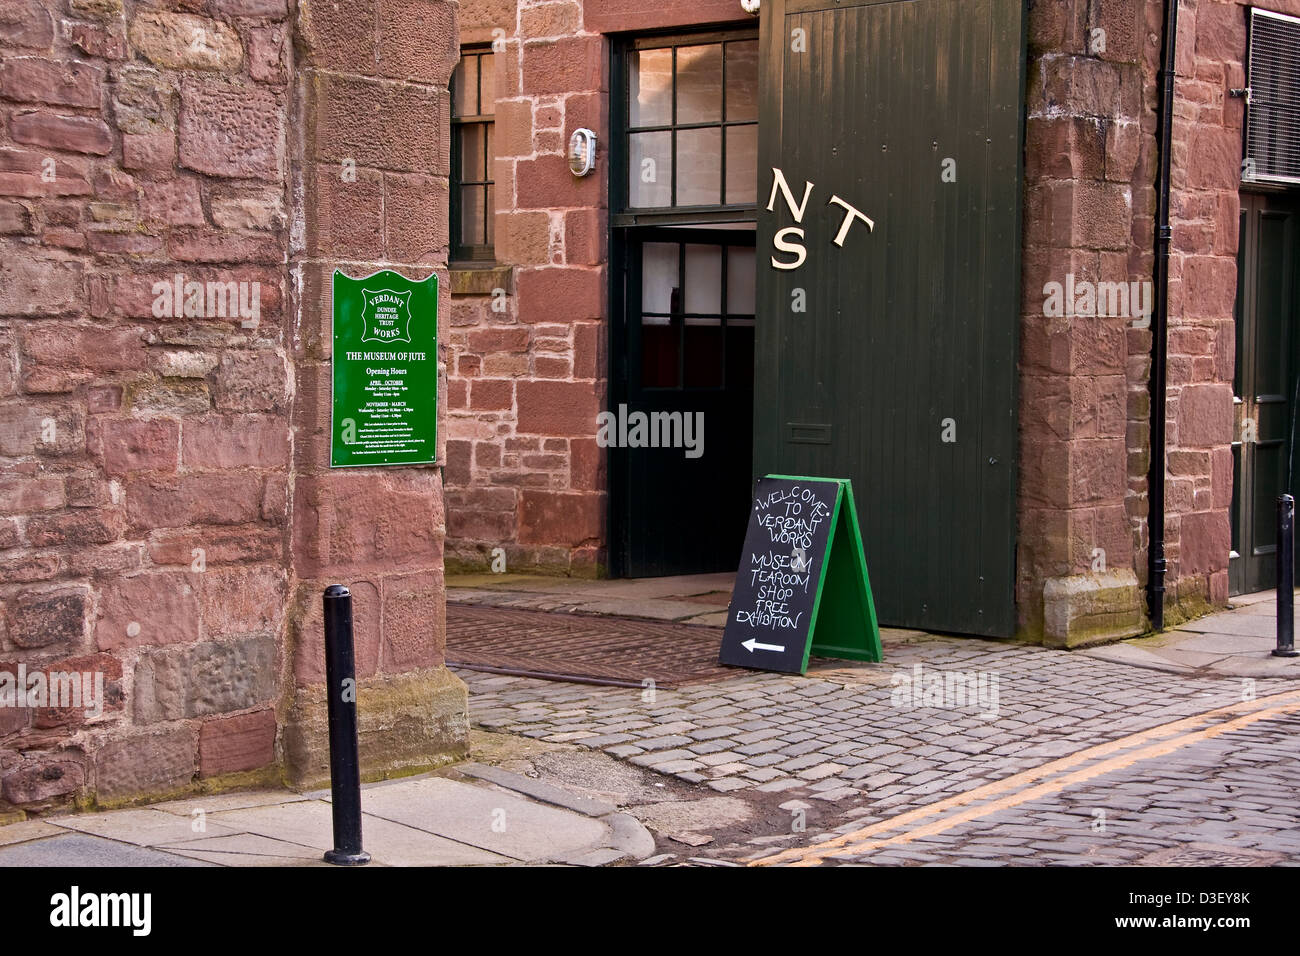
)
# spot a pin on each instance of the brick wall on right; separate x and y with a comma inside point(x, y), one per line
point(1090, 171)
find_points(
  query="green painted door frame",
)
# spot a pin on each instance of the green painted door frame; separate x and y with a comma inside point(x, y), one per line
point(669, 512)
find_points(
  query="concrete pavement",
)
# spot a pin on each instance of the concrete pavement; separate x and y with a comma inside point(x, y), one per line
point(1234, 643)
point(486, 817)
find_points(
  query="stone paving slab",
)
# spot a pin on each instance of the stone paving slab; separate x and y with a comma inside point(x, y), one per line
point(1196, 660)
point(654, 609)
point(26, 830)
point(538, 789)
point(712, 619)
point(1222, 642)
point(80, 850)
point(497, 822)
point(636, 588)
point(419, 821)
point(310, 824)
point(148, 827)
point(229, 801)
point(1140, 657)
point(697, 599)
point(1232, 643)
point(247, 849)
point(1265, 667)
point(1254, 625)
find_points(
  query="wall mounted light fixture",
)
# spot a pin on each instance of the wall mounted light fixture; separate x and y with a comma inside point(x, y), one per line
point(582, 152)
point(750, 6)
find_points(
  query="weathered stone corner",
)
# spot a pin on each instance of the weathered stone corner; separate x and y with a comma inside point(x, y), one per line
point(1092, 608)
point(407, 723)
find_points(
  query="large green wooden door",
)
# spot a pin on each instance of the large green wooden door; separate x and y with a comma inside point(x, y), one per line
point(888, 355)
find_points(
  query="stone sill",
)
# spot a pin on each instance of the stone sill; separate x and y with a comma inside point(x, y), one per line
point(480, 279)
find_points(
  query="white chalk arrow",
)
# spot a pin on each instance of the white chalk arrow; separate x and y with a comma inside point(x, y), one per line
point(752, 645)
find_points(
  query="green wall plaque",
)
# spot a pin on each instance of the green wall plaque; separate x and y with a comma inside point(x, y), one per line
point(385, 409)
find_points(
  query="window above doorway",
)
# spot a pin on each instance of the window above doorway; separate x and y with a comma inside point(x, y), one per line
point(691, 121)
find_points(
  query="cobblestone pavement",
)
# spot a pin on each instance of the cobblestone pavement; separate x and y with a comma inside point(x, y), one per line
point(1226, 801)
point(848, 746)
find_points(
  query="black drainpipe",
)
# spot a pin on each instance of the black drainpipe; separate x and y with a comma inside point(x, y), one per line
point(1159, 328)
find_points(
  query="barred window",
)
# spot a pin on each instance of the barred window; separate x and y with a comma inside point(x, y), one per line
point(1272, 100)
point(473, 98)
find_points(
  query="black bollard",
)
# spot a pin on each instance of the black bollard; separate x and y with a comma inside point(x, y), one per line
point(1285, 577)
point(345, 769)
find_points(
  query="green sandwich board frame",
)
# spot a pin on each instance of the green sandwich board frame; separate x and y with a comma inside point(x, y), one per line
point(843, 623)
point(842, 619)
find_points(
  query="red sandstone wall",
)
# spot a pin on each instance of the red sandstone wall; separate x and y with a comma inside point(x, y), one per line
point(1088, 170)
point(375, 163)
point(1205, 206)
point(1090, 203)
point(146, 537)
point(167, 515)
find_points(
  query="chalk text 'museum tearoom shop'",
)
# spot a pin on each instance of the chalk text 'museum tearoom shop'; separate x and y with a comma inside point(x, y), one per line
point(1024, 272)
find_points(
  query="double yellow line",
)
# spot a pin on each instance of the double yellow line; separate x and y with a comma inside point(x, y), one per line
point(1055, 775)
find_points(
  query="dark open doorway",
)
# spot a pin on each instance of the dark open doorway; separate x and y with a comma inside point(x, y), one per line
point(684, 116)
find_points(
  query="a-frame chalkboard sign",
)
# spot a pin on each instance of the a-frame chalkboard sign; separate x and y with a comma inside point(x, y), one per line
point(802, 586)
